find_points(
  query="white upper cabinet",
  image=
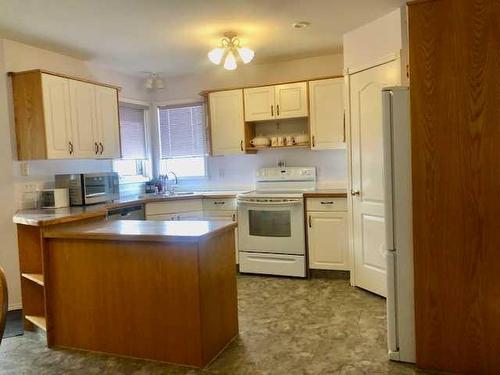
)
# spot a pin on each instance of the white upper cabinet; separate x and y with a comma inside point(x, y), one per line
point(327, 119)
point(260, 103)
point(107, 124)
point(57, 117)
point(291, 100)
point(83, 119)
point(276, 102)
point(227, 123)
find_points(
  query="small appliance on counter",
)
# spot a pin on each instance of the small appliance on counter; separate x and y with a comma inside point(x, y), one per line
point(54, 198)
point(90, 188)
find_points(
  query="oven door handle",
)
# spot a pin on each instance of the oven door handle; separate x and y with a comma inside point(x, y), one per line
point(290, 203)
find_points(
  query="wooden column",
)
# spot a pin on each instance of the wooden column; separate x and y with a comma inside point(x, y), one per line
point(455, 99)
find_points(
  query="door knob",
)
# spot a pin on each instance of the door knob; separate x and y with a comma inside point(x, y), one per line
point(355, 192)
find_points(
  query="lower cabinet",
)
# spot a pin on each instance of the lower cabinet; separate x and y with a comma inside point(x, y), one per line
point(225, 215)
point(327, 240)
point(189, 215)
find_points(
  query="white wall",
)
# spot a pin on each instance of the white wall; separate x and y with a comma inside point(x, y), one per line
point(374, 41)
point(16, 56)
point(239, 171)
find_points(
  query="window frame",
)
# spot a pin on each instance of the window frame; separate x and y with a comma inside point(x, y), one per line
point(147, 168)
point(157, 159)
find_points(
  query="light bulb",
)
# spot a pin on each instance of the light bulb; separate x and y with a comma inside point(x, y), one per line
point(230, 63)
point(246, 54)
point(158, 83)
point(216, 55)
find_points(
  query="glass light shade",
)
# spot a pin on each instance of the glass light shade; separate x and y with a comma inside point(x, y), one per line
point(149, 83)
point(230, 62)
point(216, 55)
point(158, 83)
point(246, 54)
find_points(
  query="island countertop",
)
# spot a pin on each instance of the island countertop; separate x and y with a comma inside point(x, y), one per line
point(139, 230)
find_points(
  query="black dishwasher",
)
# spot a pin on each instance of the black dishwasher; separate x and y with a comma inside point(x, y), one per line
point(127, 213)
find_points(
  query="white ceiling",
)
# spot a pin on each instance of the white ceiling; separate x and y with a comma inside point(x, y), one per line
point(174, 36)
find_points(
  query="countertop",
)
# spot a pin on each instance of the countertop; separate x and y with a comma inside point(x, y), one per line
point(46, 217)
point(139, 230)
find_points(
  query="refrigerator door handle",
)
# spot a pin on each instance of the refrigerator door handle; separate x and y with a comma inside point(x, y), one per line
point(387, 97)
point(392, 317)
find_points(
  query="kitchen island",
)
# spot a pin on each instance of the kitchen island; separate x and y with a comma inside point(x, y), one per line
point(159, 290)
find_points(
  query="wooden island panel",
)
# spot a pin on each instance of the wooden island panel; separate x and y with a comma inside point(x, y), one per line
point(171, 301)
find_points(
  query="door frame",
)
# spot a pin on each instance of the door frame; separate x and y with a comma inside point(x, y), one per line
point(347, 108)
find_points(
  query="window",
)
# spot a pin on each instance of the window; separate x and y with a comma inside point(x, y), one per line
point(132, 166)
point(183, 141)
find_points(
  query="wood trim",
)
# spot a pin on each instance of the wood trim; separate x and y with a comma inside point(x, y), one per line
point(40, 71)
point(324, 195)
point(381, 61)
point(206, 92)
point(417, 2)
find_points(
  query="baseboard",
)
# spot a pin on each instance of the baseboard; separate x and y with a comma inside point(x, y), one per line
point(329, 274)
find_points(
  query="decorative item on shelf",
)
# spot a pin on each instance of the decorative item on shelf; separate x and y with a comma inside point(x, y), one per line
point(281, 141)
point(228, 52)
point(154, 81)
point(260, 141)
point(290, 140)
point(274, 141)
point(301, 139)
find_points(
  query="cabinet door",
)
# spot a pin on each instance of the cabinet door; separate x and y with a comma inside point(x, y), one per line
point(57, 114)
point(327, 114)
point(190, 215)
point(83, 119)
point(260, 103)
point(327, 240)
point(224, 215)
point(291, 100)
point(107, 125)
point(227, 126)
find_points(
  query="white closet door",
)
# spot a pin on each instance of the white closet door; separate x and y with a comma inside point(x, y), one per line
point(367, 176)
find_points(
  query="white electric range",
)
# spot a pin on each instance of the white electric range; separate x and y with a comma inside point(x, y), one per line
point(271, 222)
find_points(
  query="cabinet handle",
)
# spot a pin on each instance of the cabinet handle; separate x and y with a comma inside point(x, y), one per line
point(96, 148)
point(310, 221)
point(241, 145)
point(313, 141)
point(329, 202)
point(102, 147)
point(272, 111)
point(355, 192)
point(70, 145)
point(234, 217)
point(344, 126)
point(277, 109)
point(219, 202)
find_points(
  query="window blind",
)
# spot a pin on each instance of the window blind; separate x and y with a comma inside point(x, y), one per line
point(182, 131)
point(132, 132)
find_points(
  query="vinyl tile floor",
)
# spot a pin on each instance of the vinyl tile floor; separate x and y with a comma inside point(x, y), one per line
point(287, 326)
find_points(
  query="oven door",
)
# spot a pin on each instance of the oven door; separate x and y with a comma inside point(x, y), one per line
point(271, 226)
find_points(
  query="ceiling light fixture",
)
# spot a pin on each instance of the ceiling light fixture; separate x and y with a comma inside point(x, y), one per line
point(154, 81)
point(228, 52)
point(301, 25)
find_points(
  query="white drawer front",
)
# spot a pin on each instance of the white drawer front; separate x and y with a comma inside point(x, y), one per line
point(220, 215)
point(272, 264)
point(219, 204)
point(167, 207)
point(326, 204)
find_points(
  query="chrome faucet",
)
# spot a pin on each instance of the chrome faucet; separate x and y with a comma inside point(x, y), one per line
point(166, 187)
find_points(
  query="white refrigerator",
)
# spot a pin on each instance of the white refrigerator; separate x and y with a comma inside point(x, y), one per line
point(398, 216)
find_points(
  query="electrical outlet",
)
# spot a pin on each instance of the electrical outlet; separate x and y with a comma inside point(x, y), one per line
point(221, 173)
point(25, 168)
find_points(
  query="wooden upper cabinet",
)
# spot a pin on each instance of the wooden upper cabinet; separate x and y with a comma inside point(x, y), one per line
point(259, 103)
point(276, 102)
point(58, 117)
point(227, 124)
point(291, 100)
point(326, 109)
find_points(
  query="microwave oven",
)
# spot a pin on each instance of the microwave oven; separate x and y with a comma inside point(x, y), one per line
point(90, 188)
point(54, 198)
